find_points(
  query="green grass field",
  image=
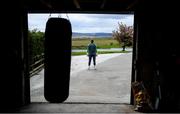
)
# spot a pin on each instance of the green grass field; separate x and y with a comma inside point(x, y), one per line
point(100, 42)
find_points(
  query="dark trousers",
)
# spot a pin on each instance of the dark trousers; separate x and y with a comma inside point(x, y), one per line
point(94, 59)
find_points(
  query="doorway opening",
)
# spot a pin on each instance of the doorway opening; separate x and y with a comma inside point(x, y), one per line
point(110, 82)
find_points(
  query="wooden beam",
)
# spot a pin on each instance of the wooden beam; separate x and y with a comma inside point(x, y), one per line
point(77, 4)
point(46, 4)
point(132, 4)
point(103, 4)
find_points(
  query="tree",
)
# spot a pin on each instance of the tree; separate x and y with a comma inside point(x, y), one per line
point(124, 35)
point(36, 43)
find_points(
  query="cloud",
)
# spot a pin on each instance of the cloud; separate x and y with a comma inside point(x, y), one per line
point(83, 22)
point(107, 16)
point(37, 21)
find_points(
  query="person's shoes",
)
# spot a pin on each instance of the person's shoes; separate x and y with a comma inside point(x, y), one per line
point(88, 67)
point(95, 67)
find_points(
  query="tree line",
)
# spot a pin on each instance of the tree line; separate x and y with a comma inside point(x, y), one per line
point(36, 44)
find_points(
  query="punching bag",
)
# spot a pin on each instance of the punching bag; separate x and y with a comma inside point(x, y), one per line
point(57, 63)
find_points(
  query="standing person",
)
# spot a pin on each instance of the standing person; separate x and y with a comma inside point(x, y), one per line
point(92, 53)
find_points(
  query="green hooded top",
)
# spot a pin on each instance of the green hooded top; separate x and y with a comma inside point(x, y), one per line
point(92, 49)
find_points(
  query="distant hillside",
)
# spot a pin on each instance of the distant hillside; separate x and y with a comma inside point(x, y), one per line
point(91, 35)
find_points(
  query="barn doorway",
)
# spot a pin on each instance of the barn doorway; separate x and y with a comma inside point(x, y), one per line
point(110, 82)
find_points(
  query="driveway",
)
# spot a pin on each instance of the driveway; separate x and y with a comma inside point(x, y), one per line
point(109, 83)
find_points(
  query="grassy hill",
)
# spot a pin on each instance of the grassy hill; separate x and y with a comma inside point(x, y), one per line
point(100, 42)
point(91, 35)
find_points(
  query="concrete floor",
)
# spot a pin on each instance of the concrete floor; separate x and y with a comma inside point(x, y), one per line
point(109, 83)
point(77, 108)
point(105, 90)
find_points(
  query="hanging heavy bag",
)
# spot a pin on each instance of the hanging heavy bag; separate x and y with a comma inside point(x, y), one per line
point(57, 59)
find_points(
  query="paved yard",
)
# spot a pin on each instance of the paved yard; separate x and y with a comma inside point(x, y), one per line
point(110, 83)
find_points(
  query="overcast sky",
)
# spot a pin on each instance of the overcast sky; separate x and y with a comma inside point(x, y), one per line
point(83, 23)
